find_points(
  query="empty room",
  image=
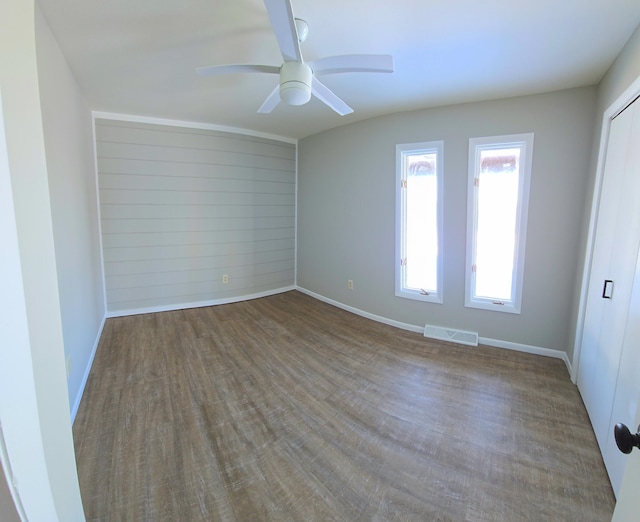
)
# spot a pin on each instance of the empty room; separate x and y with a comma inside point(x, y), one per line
point(294, 260)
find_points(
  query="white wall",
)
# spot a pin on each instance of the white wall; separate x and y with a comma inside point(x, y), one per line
point(34, 406)
point(68, 136)
point(346, 212)
point(181, 207)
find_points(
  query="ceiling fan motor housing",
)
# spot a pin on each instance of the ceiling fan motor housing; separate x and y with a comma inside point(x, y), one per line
point(295, 83)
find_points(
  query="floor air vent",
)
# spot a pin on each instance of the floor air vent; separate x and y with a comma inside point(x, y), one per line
point(449, 334)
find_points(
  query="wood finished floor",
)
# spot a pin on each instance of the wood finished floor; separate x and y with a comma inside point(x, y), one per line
point(286, 408)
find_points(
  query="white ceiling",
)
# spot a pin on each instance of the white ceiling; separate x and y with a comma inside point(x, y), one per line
point(138, 57)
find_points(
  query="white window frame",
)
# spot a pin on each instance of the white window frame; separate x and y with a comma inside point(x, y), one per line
point(402, 151)
point(476, 145)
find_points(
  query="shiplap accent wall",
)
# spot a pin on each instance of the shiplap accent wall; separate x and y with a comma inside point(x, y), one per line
point(181, 207)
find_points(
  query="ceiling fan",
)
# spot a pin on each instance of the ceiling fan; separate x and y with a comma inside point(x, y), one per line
point(298, 79)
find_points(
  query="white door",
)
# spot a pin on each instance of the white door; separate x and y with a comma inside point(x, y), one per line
point(609, 292)
point(628, 504)
point(627, 394)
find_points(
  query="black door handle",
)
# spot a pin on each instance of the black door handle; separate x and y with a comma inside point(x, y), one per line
point(625, 440)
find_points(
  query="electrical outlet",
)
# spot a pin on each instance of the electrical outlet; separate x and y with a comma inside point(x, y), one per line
point(350, 284)
point(225, 279)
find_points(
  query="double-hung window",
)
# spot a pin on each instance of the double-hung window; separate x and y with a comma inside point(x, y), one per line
point(419, 221)
point(497, 204)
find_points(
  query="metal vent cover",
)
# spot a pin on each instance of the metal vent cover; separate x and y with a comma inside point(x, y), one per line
point(451, 334)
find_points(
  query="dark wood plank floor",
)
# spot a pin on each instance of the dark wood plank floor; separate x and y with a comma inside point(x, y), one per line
point(286, 408)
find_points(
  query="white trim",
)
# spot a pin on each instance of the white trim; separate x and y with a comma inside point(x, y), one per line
point(97, 180)
point(631, 93)
point(295, 226)
point(87, 371)
point(527, 348)
point(496, 343)
point(198, 304)
point(525, 143)
point(362, 313)
point(190, 125)
point(402, 151)
point(16, 359)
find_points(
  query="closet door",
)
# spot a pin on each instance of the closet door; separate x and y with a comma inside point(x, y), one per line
point(627, 395)
point(612, 273)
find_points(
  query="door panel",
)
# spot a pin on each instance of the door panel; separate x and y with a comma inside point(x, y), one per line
point(627, 393)
point(590, 371)
point(614, 258)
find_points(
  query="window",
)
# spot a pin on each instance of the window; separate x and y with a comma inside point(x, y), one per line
point(419, 221)
point(499, 173)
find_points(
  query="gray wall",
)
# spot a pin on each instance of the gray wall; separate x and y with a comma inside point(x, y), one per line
point(346, 212)
point(68, 136)
point(181, 207)
point(622, 73)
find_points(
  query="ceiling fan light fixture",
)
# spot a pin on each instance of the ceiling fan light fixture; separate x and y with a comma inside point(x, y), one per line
point(295, 83)
point(295, 93)
point(299, 81)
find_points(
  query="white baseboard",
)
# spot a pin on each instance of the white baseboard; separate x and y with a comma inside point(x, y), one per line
point(198, 304)
point(87, 371)
point(362, 313)
point(527, 348)
point(496, 343)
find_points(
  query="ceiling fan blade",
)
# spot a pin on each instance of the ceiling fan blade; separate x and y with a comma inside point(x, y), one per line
point(353, 63)
point(271, 102)
point(216, 70)
point(326, 96)
point(284, 27)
